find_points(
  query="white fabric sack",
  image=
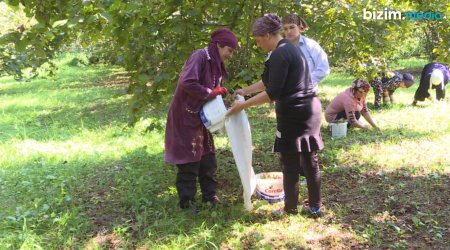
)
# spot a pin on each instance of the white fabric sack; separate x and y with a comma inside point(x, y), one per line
point(240, 137)
point(437, 78)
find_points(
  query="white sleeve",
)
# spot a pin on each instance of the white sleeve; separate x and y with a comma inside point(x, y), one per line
point(322, 68)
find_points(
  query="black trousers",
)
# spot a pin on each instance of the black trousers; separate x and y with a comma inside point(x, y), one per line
point(186, 181)
point(422, 91)
point(343, 115)
point(292, 164)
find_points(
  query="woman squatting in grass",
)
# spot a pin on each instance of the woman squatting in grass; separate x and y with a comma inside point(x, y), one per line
point(350, 105)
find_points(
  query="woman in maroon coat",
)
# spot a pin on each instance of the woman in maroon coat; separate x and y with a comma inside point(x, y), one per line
point(188, 144)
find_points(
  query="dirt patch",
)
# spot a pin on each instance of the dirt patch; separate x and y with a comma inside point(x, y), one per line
point(105, 240)
point(119, 79)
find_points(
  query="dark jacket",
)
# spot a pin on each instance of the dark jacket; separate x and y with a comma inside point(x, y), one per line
point(288, 82)
point(424, 87)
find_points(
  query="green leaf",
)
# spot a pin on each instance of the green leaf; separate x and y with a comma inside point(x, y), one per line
point(59, 23)
point(92, 19)
point(416, 221)
point(39, 27)
point(21, 44)
point(143, 78)
point(105, 15)
point(50, 35)
point(10, 37)
point(330, 12)
point(74, 21)
point(193, 12)
point(13, 3)
point(11, 218)
point(86, 2)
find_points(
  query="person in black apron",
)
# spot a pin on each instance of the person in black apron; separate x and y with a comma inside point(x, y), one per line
point(287, 81)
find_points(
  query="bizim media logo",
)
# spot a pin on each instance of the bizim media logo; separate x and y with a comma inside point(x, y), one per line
point(388, 14)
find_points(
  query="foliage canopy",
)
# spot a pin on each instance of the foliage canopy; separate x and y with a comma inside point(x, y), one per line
point(151, 39)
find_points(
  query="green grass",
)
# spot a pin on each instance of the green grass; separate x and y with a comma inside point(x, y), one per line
point(72, 174)
point(410, 63)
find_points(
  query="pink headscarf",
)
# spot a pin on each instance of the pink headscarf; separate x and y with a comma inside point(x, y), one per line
point(360, 84)
point(224, 37)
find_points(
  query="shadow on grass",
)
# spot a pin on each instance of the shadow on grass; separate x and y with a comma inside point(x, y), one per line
point(390, 210)
point(137, 194)
point(124, 203)
point(109, 79)
point(380, 207)
point(132, 202)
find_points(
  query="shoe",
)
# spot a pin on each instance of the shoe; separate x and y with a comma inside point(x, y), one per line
point(280, 212)
point(189, 207)
point(214, 201)
point(292, 211)
point(312, 212)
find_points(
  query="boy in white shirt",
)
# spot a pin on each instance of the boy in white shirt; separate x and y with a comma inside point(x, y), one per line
point(317, 59)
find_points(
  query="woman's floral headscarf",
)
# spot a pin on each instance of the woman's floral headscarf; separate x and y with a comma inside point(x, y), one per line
point(360, 84)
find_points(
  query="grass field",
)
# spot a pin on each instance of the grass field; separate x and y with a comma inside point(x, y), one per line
point(73, 175)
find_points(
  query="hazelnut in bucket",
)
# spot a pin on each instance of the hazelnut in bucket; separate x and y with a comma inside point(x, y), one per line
point(269, 186)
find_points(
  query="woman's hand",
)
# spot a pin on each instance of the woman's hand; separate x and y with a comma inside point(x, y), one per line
point(218, 91)
point(236, 107)
point(378, 130)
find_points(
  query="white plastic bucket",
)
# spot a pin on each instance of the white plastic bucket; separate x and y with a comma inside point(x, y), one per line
point(269, 186)
point(213, 114)
point(338, 129)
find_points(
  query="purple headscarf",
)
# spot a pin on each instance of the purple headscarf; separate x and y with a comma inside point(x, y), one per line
point(408, 79)
point(224, 37)
point(267, 24)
